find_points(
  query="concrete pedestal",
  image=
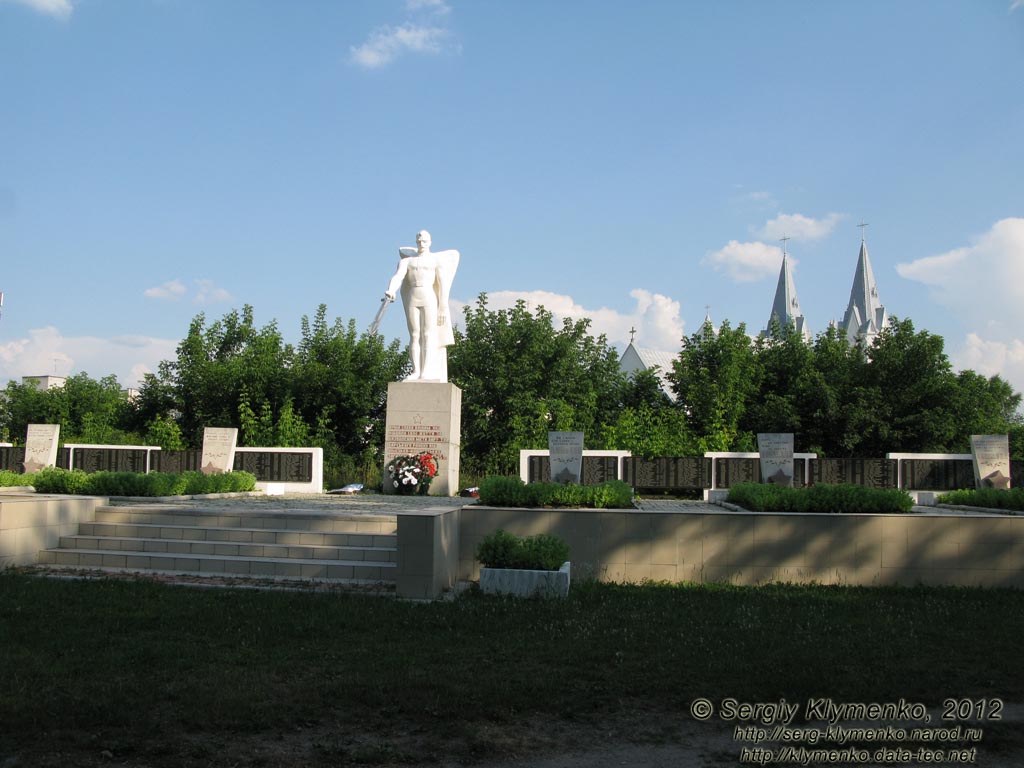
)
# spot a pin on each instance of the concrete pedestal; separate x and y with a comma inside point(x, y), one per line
point(425, 416)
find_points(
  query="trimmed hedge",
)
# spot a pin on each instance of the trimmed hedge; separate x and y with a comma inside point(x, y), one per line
point(75, 481)
point(513, 492)
point(543, 552)
point(9, 479)
point(842, 498)
point(1012, 499)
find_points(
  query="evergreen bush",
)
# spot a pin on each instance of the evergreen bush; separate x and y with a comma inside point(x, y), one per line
point(499, 491)
point(543, 552)
point(1011, 500)
point(75, 481)
point(841, 498)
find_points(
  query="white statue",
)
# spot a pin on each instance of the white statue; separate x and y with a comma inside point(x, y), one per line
point(426, 278)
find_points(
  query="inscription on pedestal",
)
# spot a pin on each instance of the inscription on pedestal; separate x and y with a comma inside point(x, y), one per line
point(410, 439)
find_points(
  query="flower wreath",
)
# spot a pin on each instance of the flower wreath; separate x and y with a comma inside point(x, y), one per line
point(412, 474)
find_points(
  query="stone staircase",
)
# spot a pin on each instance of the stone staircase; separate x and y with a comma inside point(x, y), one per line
point(355, 549)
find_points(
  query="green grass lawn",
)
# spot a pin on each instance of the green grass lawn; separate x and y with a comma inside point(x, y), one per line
point(140, 662)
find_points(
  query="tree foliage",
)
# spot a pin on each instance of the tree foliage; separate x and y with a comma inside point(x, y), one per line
point(898, 394)
point(522, 377)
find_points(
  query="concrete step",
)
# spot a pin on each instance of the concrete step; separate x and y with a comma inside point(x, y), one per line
point(202, 547)
point(280, 520)
point(237, 535)
point(221, 565)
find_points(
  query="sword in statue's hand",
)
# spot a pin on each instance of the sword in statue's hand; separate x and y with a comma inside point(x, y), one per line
point(380, 315)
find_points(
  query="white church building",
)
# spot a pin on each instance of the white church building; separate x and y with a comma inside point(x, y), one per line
point(864, 318)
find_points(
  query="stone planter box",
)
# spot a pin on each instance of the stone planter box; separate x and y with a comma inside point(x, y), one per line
point(524, 583)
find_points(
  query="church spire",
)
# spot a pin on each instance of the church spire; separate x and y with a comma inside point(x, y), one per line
point(786, 307)
point(865, 316)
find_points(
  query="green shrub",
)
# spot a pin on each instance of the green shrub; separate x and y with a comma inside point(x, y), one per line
point(231, 482)
point(842, 498)
point(8, 479)
point(499, 491)
point(116, 484)
point(53, 480)
point(543, 552)
point(992, 498)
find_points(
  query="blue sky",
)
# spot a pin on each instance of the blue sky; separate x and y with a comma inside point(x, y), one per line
point(628, 161)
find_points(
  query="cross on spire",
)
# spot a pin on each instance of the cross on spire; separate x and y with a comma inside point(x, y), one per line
point(862, 225)
point(632, 333)
point(784, 239)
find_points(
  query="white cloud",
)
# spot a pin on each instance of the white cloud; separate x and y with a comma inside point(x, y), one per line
point(655, 317)
point(387, 43)
point(983, 283)
point(746, 262)
point(208, 293)
point(1016, 4)
point(799, 227)
point(433, 6)
point(172, 289)
point(47, 351)
point(992, 357)
point(60, 9)
point(982, 286)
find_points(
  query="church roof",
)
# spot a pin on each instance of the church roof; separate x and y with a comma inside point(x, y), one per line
point(786, 307)
point(865, 316)
point(638, 358)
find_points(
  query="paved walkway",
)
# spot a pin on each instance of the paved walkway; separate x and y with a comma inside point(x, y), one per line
point(379, 504)
point(372, 504)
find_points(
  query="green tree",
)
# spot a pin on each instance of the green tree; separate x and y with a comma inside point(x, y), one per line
point(521, 377)
point(914, 390)
point(837, 402)
point(88, 410)
point(165, 433)
point(983, 406)
point(341, 382)
point(714, 378)
point(784, 365)
point(216, 364)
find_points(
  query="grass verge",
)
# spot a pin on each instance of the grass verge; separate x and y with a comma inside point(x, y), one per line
point(152, 668)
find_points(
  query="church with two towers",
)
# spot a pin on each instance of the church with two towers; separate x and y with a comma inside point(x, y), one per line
point(864, 318)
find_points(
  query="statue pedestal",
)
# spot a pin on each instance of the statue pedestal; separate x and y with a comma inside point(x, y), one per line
point(425, 416)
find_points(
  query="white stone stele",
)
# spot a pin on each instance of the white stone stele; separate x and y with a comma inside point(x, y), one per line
point(776, 452)
point(218, 450)
point(991, 455)
point(425, 416)
point(41, 446)
point(525, 583)
point(566, 456)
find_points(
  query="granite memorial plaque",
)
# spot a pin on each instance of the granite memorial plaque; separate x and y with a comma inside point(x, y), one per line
point(776, 449)
point(566, 453)
point(667, 474)
point(218, 450)
point(41, 446)
point(991, 455)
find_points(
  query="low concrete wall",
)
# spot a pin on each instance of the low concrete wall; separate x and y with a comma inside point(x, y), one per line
point(34, 522)
point(428, 552)
point(757, 548)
